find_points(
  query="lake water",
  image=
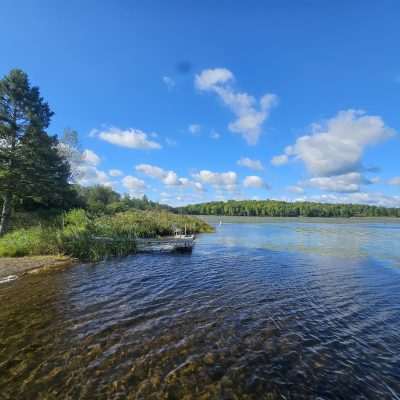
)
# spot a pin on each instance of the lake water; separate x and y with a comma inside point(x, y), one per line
point(262, 309)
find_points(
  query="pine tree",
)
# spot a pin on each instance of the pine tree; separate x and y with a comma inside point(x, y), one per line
point(30, 165)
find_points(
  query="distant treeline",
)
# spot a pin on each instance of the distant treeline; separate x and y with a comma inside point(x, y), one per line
point(273, 208)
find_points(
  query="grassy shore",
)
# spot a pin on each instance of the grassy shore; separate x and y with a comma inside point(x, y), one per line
point(75, 234)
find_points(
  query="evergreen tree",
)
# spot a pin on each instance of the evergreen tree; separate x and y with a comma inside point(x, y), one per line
point(30, 164)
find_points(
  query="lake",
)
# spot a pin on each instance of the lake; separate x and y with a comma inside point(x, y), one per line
point(261, 309)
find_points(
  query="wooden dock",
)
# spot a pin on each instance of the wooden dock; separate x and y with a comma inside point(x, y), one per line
point(181, 243)
point(171, 243)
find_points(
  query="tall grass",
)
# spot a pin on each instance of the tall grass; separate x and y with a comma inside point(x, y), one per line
point(147, 224)
point(29, 242)
point(93, 239)
point(96, 239)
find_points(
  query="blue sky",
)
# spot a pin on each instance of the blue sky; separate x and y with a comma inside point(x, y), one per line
point(197, 101)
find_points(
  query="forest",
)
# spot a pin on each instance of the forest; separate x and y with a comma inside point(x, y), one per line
point(274, 208)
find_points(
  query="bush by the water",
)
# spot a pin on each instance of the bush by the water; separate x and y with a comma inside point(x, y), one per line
point(88, 238)
point(29, 242)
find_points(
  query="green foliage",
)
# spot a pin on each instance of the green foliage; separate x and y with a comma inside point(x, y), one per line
point(48, 218)
point(273, 208)
point(44, 173)
point(31, 168)
point(76, 219)
point(88, 238)
point(148, 224)
point(94, 239)
point(29, 242)
point(106, 236)
point(100, 200)
point(97, 198)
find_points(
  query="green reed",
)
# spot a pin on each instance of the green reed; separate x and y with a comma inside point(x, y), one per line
point(87, 238)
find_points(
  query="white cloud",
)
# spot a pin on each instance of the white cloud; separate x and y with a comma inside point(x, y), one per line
point(220, 180)
point(346, 183)
point(151, 170)
point(295, 189)
point(171, 179)
point(133, 184)
point(394, 181)
point(91, 157)
point(214, 135)
point(279, 160)
point(209, 78)
point(249, 163)
point(130, 138)
point(170, 142)
point(167, 177)
point(89, 175)
point(84, 166)
point(169, 82)
point(254, 182)
point(198, 186)
point(250, 113)
point(93, 133)
point(194, 129)
point(179, 196)
point(179, 200)
point(337, 146)
point(371, 198)
point(115, 172)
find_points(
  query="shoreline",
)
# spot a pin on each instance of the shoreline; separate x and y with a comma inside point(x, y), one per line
point(19, 266)
point(254, 219)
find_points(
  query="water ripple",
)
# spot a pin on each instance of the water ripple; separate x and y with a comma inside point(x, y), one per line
point(234, 320)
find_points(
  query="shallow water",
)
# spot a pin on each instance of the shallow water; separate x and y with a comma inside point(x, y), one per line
point(262, 309)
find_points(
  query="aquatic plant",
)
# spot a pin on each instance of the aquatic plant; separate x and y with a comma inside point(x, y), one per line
point(93, 239)
point(90, 238)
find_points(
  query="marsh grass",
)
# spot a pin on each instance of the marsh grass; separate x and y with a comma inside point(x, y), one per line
point(29, 242)
point(81, 236)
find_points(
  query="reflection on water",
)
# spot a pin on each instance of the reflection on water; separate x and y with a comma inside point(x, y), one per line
point(331, 237)
point(257, 311)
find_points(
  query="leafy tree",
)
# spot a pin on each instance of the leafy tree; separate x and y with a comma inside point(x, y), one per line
point(30, 165)
point(98, 197)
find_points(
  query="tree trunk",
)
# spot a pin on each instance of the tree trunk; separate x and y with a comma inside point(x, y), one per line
point(6, 213)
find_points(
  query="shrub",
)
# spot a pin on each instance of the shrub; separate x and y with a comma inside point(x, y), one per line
point(29, 242)
point(94, 240)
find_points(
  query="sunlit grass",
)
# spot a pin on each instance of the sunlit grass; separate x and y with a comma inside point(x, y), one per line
point(29, 242)
point(80, 236)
